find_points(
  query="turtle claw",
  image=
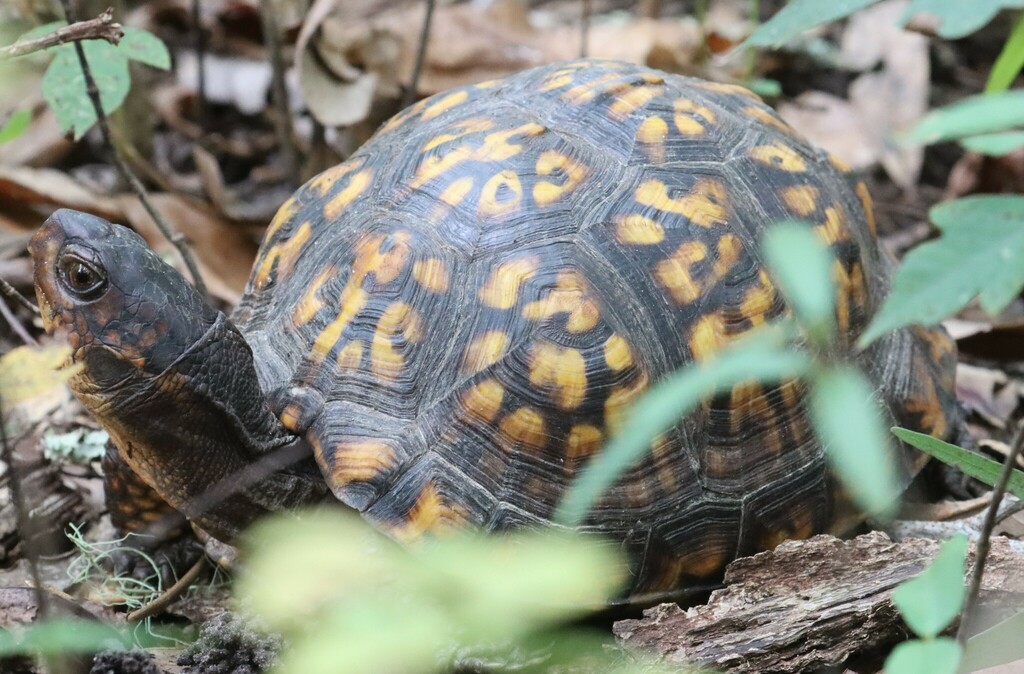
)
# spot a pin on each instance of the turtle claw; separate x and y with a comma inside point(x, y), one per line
point(156, 563)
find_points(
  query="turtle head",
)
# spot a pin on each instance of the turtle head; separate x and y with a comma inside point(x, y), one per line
point(169, 377)
point(127, 314)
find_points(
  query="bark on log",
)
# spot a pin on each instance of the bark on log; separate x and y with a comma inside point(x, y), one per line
point(808, 604)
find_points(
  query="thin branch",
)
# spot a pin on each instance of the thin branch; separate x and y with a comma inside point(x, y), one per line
point(200, 44)
point(22, 518)
point(16, 325)
point(982, 546)
point(12, 292)
point(102, 27)
point(176, 240)
point(161, 603)
point(585, 29)
point(421, 55)
point(279, 91)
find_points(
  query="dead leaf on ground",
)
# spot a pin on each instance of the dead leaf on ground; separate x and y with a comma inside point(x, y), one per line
point(350, 55)
point(989, 393)
point(975, 173)
point(44, 186)
point(882, 105)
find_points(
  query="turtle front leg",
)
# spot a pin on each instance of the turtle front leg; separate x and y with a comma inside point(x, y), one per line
point(154, 529)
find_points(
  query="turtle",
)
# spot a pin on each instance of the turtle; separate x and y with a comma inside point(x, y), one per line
point(446, 327)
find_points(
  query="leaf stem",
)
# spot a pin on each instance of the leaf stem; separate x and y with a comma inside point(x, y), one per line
point(176, 239)
point(102, 27)
point(421, 55)
point(985, 536)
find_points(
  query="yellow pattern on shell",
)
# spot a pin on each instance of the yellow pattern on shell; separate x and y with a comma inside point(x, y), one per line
point(583, 440)
point(445, 104)
point(350, 356)
point(399, 321)
point(501, 291)
point(490, 205)
point(361, 460)
point(484, 351)
point(545, 192)
point(675, 274)
point(357, 184)
point(496, 147)
point(651, 135)
point(801, 200)
point(779, 156)
point(524, 428)
point(483, 400)
point(311, 303)
point(285, 254)
point(562, 370)
point(431, 274)
point(617, 353)
point(638, 230)
point(570, 295)
point(706, 204)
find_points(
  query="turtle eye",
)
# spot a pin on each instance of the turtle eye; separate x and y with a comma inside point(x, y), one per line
point(82, 278)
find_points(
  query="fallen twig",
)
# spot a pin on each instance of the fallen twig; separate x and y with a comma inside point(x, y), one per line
point(102, 27)
point(21, 514)
point(421, 55)
point(176, 240)
point(16, 325)
point(984, 537)
point(585, 29)
point(200, 43)
point(160, 604)
point(12, 292)
point(279, 91)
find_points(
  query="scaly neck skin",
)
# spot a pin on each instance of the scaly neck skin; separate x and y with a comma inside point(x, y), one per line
point(195, 431)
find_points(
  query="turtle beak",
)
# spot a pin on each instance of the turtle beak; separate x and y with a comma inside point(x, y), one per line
point(44, 247)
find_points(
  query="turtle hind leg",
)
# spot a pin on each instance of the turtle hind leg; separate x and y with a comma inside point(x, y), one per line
point(159, 542)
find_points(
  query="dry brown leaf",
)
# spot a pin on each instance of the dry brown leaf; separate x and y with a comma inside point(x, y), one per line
point(835, 124)
point(882, 105)
point(987, 392)
point(51, 187)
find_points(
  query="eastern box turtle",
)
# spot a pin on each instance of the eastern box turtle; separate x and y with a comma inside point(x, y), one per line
point(456, 318)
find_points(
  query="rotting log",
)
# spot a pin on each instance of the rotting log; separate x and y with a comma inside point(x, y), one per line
point(809, 604)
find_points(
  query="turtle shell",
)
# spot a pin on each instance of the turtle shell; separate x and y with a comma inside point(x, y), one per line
point(476, 296)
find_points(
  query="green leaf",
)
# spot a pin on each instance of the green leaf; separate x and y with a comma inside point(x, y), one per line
point(998, 645)
point(64, 84)
point(975, 465)
point(932, 599)
point(60, 635)
point(801, 15)
point(980, 252)
point(995, 144)
point(16, 125)
point(802, 267)
point(1010, 61)
point(762, 356)
point(142, 46)
point(987, 113)
point(959, 17)
point(846, 419)
point(934, 656)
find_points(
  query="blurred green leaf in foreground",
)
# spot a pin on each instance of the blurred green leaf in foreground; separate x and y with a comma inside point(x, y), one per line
point(347, 598)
